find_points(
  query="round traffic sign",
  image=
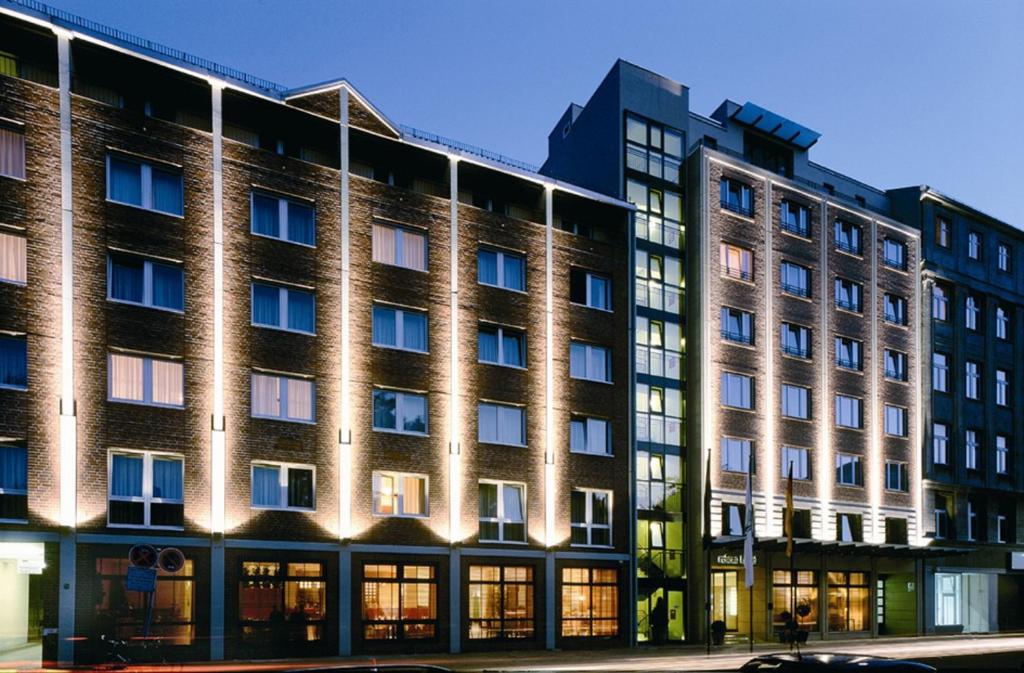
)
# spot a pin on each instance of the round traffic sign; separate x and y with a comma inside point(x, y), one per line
point(142, 556)
point(171, 560)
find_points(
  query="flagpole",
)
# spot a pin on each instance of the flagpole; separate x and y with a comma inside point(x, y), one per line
point(748, 548)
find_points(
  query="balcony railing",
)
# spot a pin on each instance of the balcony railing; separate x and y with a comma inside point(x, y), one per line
point(737, 336)
point(797, 290)
point(893, 318)
point(796, 351)
point(847, 246)
point(848, 363)
point(741, 274)
point(895, 263)
point(848, 305)
point(746, 211)
point(796, 228)
point(894, 374)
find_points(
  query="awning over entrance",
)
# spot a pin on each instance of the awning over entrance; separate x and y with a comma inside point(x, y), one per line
point(805, 546)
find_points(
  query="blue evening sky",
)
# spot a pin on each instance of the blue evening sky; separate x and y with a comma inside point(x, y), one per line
point(903, 92)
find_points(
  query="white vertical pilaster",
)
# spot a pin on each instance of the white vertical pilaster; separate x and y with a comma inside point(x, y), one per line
point(918, 383)
point(345, 422)
point(875, 467)
point(454, 439)
point(549, 374)
point(825, 461)
point(768, 471)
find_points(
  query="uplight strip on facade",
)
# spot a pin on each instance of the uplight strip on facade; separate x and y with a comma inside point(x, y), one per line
point(875, 468)
point(768, 470)
point(825, 475)
point(218, 449)
point(549, 373)
point(345, 421)
point(454, 447)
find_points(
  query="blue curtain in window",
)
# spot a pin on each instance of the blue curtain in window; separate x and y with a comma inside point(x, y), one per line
point(168, 289)
point(514, 273)
point(127, 280)
point(265, 212)
point(301, 311)
point(266, 486)
point(167, 479)
point(414, 330)
point(266, 306)
point(301, 227)
point(384, 410)
point(487, 345)
point(384, 332)
point(13, 468)
point(125, 182)
point(167, 192)
point(13, 362)
point(578, 435)
point(126, 476)
point(512, 350)
point(487, 267)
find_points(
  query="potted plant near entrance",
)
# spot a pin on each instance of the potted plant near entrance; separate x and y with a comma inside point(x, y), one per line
point(718, 632)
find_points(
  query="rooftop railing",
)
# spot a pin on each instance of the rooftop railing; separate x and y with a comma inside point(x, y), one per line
point(467, 148)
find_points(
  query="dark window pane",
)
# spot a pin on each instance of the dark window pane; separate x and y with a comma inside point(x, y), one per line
point(300, 488)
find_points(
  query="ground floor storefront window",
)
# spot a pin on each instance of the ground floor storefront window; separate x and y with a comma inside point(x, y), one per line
point(806, 587)
point(500, 602)
point(399, 601)
point(848, 608)
point(590, 602)
point(122, 613)
point(282, 602)
point(947, 599)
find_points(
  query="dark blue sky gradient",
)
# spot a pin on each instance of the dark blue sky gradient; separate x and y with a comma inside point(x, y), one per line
point(903, 92)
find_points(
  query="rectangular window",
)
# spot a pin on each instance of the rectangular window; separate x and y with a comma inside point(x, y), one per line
point(894, 254)
point(12, 152)
point(796, 402)
point(145, 282)
point(940, 372)
point(400, 328)
point(1003, 257)
point(896, 476)
point(283, 219)
point(850, 528)
point(849, 470)
point(146, 380)
point(737, 390)
point(940, 302)
point(501, 346)
point(974, 245)
point(283, 308)
point(795, 279)
point(972, 380)
point(735, 454)
point(894, 309)
point(144, 185)
point(940, 444)
point(736, 262)
point(399, 602)
point(795, 218)
point(849, 353)
point(590, 289)
point(895, 421)
point(1002, 454)
point(737, 326)
point(849, 412)
point(500, 602)
point(398, 411)
point(13, 258)
point(1002, 323)
point(591, 517)
point(948, 599)
point(283, 486)
point(895, 365)
point(396, 246)
point(13, 362)
point(795, 340)
point(590, 435)
point(145, 489)
point(502, 511)
point(943, 517)
point(943, 233)
point(284, 398)
point(400, 494)
point(736, 196)
point(800, 459)
point(501, 424)
point(972, 314)
point(174, 601)
point(590, 602)
point(590, 362)
point(895, 531)
point(501, 269)
point(849, 295)
point(13, 482)
point(805, 586)
point(734, 516)
point(971, 448)
point(1002, 388)
point(268, 590)
point(848, 237)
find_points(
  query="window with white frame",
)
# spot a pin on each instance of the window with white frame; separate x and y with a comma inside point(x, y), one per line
point(399, 411)
point(283, 486)
point(1002, 323)
point(849, 412)
point(940, 443)
point(736, 196)
point(736, 262)
point(13, 482)
point(1002, 388)
point(849, 470)
point(501, 424)
point(948, 599)
point(1001, 528)
point(800, 460)
point(285, 398)
point(895, 365)
point(795, 340)
point(940, 372)
point(398, 246)
point(849, 295)
point(591, 517)
point(400, 328)
point(12, 151)
point(502, 269)
point(284, 219)
point(972, 445)
point(501, 346)
point(400, 494)
point(590, 289)
point(1002, 454)
point(735, 454)
point(145, 185)
point(795, 279)
point(894, 253)
point(895, 421)
point(974, 245)
point(145, 488)
point(796, 401)
point(13, 258)
point(894, 309)
point(590, 362)
point(285, 308)
point(848, 236)
point(943, 517)
point(940, 302)
point(795, 218)
point(146, 380)
point(849, 353)
point(502, 511)
point(972, 380)
point(943, 232)
point(135, 280)
point(737, 390)
point(972, 520)
point(737, 326)
point(14, 362)
point(590, 435)
point(972, 313)
point(896, 476)
point(1003, 257)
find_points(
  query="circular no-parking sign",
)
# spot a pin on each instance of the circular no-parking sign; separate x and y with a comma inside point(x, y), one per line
point(143, 556)
point(171, 560)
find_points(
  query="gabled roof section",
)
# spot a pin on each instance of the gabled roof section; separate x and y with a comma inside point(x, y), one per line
point(776, 125)
point(323, 98)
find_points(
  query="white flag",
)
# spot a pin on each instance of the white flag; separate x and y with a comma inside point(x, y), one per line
point(748, 529)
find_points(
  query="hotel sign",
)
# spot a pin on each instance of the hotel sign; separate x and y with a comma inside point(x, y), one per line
point(732, 559)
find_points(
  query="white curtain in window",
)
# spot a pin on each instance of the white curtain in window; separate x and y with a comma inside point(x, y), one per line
point(167, 478)
point(126, 377)
point(13, 260)
point(300, 399)
point(13, 469)
point(598, 363)
point(266, 400)
point(513, 497)
point(12, 153)
point(597, 435)
point(577, 361)
point(384, 244)
point(266, 485)
point(126, 476)
point(414, 250)
point(168, 382)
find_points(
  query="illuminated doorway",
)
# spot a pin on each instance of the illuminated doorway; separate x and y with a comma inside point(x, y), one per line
point(21, 567)
point(725, 598)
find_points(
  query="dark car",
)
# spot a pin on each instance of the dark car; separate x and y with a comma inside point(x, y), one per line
point(375, 668)
point(805, 663)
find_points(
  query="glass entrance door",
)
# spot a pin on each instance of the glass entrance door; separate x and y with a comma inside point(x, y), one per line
point(725, 598)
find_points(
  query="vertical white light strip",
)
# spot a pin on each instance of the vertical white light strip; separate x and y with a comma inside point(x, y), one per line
point(68, 425)
point(549, 373)
point(875, 485)
point(345, 422)
point(218, 458)
point(768, 471)
point(919, 461)
point(825, 475)
point(454, 446)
